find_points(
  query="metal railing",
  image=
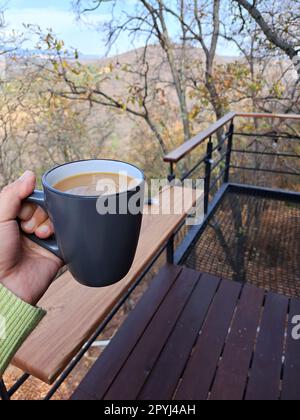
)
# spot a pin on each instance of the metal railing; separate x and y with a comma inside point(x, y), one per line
point(223, 147)
point(272, 153)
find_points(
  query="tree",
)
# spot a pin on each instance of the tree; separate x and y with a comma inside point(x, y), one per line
point(150, 19)
point(197, 29)
point(38, 129)
point(279, 21)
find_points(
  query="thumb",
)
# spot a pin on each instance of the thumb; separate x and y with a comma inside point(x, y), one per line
point(12, 196)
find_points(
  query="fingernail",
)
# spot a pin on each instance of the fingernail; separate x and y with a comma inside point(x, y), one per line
point(25, 176)
point(29, 225)
point(44, 230)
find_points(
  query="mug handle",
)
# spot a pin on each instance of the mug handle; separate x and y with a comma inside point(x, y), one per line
point(38, 198)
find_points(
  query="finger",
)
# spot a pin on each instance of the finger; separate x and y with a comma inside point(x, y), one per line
point(27, 211)
point(45, 230)
point(12, 196)
point(39, 217)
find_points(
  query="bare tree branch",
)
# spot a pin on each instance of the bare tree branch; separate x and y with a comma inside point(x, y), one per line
point(289, 48)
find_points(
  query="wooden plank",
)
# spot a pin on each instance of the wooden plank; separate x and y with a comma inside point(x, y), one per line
point(104, 371)
point(142, 359)
point(232, 375)
point(265, 375)
point(74, 311)
point(196, 141)
point(163, 380)
point(198, 376)
point(291, 373)
point(83, 396)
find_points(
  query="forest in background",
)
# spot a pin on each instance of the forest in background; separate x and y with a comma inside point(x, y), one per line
point(57, 107)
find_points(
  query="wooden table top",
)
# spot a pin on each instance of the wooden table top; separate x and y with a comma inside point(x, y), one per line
point(197, 337)
point(74, 311)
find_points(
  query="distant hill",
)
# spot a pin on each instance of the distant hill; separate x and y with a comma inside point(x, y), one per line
point(154, 54)
point(159, 69)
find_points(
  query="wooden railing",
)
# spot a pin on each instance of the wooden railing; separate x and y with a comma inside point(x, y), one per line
point(196, 141)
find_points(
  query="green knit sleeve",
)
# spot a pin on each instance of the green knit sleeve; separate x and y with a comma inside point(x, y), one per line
point(17, 321)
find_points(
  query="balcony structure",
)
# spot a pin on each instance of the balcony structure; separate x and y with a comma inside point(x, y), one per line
point(217, 322)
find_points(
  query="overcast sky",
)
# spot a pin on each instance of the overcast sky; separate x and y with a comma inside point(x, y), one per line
point(57, 15)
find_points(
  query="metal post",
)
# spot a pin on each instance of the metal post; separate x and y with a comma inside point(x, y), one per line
point(171, 176)
point(171, 250)
point(208, 163)
point(3, 391)
point(18, 384)
point(229, 151)
point(170, 245)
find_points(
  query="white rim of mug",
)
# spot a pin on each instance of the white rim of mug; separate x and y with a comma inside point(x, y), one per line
point(47, 186)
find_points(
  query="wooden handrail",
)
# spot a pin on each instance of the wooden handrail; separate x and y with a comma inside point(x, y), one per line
point(273, 116)
point(196, 141)
point(186, 148)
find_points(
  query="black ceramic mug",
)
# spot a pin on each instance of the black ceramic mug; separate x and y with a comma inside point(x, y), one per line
point(98, 248)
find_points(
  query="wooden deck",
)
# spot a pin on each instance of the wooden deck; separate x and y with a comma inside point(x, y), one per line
point(74, 311)
point(197, 337)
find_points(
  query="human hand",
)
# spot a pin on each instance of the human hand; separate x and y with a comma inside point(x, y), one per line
point(26, 269)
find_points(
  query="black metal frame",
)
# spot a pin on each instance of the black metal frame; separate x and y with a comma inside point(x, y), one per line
point(270, 135)
point(211, 204)
point(270, 171)
point(210, 165)
point(4, 394)
point(196, 231)
point(271, 193)
point(194, 235)
point(210, 208)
